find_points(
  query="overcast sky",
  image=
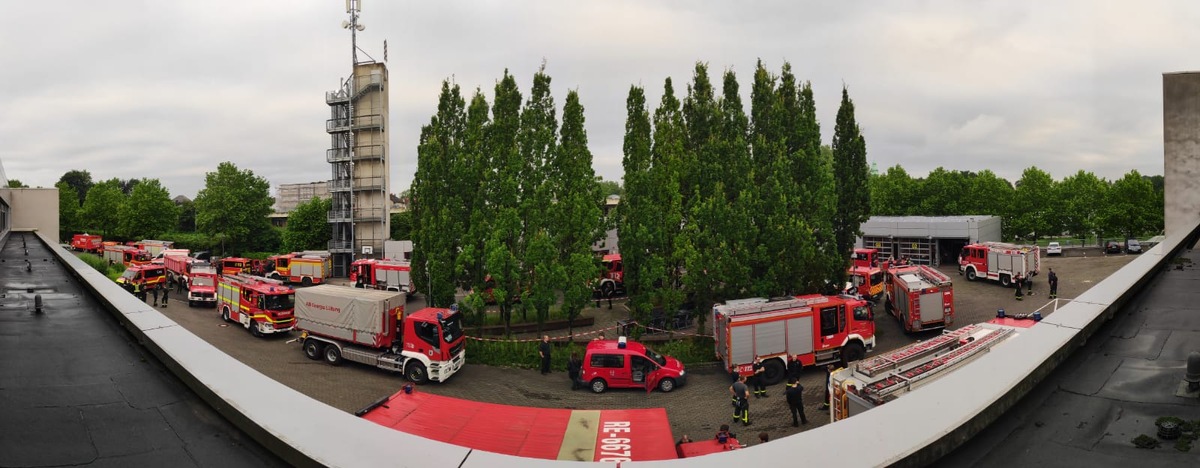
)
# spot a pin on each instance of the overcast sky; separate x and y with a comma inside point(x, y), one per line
point(168, 89)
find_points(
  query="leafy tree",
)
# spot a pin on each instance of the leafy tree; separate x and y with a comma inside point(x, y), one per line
point(536, 140)
point(944, 193)
point(850, 178)
point(1079, 202)
point(988, 195)
point(635, 220)
point(68, 210)
point(402, 225)
point(894, 193)
point(665, 264)
point(14, 183)
point(187, 216)
point(1033, 206)
point(128, 185)
point(475, 175)
point(575, 218)
point(101, 208)
point(308, 226)
point(1132, 208)
point(435, 223)
point(81, 181)
point(234, 205)
point(149, 211)
point(502, 251)
point(609, 187)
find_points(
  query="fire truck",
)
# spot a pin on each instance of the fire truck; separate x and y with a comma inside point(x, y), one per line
point(87, 243)
point(872, 382)
point(612, 280)
point(370, 327)
point(388, 275)
point(999, 261)
point(148, 276)
point(178, 267)
point(236, 265)
point(202, 284)
point(920, 297)
point(125, 255)
point(306, 268)
point(865, 258)
point(821, 329)
point(264, 306)
point(153, 247)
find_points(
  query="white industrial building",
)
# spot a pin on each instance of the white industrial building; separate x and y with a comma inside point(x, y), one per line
point(927, 240)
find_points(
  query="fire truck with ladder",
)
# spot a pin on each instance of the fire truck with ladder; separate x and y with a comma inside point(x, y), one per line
point(920, 297)
point(999, 261)
point(305, 268)
point(264, 306)
point(388, 275)
point(883, 378)
point(821, 329)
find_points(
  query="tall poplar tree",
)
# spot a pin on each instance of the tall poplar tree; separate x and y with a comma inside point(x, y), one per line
point(576, 220)
point(502, 250)
point(666, 154)
point(436, 225)
point(635, 219)
point(850, 178)
point(536, 140)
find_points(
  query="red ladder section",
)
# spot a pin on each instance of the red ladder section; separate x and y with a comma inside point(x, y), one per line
point(895, 359)
point(901, 380)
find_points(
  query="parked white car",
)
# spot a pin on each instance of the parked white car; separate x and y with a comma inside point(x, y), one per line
point(1054, 249)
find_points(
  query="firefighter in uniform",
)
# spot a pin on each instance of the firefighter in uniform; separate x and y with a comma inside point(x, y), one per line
point(1053, 284)
point(795, 401)
point(1019, 281)
point(759, 378)
point(741, 400)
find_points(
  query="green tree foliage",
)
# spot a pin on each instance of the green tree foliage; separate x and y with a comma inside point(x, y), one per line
point(575, 220)
point(476, 178)
point(149, 211)
point(308, 226)
point(1078, 203)
point(1033, 206)
point(665, 265)
point(101, 208)
point(635, 220)
point(402, 226)
point(988, 195)
point(1132, 208)
point(233, 206)
point(609, 187)
point(944, 193)
point(68, 210)
point(437, 220)
point(81, 181)
point(502, 252)
point(850, 178)
point(14, 183)
point(187, 216)
point(894, 193)
point(537, 140)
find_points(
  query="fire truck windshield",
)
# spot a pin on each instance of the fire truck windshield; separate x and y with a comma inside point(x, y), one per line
point(452, 328)
point(202, 281)
point(279, 302)
point(861, 313)
point(129, 274)
point(662, 361)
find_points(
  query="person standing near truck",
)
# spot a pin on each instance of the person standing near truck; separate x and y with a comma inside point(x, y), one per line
point(1053, 280)
point(795, 401)
point(741, 400)
point(758, 379)
point(544, 353)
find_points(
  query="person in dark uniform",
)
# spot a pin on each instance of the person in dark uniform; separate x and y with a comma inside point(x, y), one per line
point(759, 378)
point(166, 291)
point(179, 285)
point(154, 292)
point(1019, 280)
point(544, 353)
point(741, 400)
point(795, 401)
point(1029, 285)
point(1053, 280)
point(138, 292)
point(828, 371)
point(794, 367)
point(574, 368)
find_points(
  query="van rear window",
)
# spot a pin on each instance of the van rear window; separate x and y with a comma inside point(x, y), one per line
point(615, 361)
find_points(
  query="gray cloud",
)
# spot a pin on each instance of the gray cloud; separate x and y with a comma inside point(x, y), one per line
point(170, 89)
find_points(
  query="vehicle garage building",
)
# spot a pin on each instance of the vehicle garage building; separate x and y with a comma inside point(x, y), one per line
point(927, 240)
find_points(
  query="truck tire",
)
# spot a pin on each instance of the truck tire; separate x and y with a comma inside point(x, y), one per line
point(773, 372)
point(599, 385)
point(254, 330)
point(416, 373)
point(306, 281)
point(313, 348)
point(666, 385)
point(971, 274)
point(225, 314)
point(332, 355)
point(1005, 281)
point(607, 290)
point(852, 352)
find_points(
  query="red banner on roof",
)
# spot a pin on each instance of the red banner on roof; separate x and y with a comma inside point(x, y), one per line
point(548, 433)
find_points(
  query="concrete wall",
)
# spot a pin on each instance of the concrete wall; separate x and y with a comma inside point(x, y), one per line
point(1181, 149)
point(34, 209)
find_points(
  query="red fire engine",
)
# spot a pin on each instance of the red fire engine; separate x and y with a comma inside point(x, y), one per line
point(920, 297)
point(865, 258)
point(998, 261)
point(236, 265)
point(300, 267)
point(87, 243)
point(262, 305)
point(821, 329)
point(202, 284)
point(148, 276)
point(389, 275)
point(125, 255)
point(612, 280)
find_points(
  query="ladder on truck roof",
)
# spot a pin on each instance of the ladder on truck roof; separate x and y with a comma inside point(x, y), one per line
point(902, 379)
point(248, 278)
point(902, 356)
point(770, 306)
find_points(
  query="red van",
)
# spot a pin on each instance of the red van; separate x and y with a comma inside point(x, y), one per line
point(628, 364)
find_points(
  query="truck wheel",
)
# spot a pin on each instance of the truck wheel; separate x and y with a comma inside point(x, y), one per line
point(332, 355)
point(225, 314)
point(1005, 281)
point(666, 385)
point(599, 385)
point(306, 281)
point(607, 290)
point(312, 349)
point(852, 352)
point(773, 372)
point(971, 274)
point(415, 372)
point(254, 330)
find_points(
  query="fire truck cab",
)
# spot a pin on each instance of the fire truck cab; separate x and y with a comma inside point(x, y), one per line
point(264, 306)
point(148, 276)
point(865, 258)
point(612, 280)
point(820, 329)
point(300, 267)
point(235, 265)
point(202, 284)
point(125, 255)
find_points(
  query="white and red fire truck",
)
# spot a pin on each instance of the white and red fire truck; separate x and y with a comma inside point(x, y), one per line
point(370, 327)
point(884, 378)
point(305, 268)
point(821, 329)
point(999, 261)
point(388, 275)
point(264, 306)
point(612, 279)
point(202, 284)
point(125, 255)
point(920, 297)
point(87, 243)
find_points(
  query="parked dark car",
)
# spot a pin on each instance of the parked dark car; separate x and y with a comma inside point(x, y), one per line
point(1112, 246)
point(1133, 246)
